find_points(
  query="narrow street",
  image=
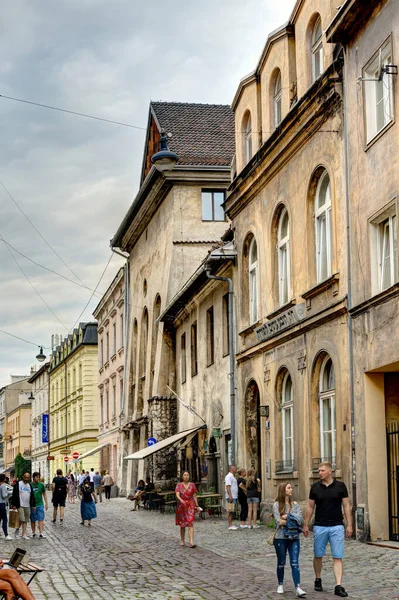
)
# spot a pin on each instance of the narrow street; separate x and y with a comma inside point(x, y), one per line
point(137, 555)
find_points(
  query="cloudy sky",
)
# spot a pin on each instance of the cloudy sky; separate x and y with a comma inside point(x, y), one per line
point(74, 177)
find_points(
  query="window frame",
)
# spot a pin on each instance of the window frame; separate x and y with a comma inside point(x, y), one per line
point(212, 192)
point(194, 348)
point(318, 213)
point(247, 137)
point(370, 74)
point(277, 99)
point(317, 50)
point(388, 213)
point(329, 395)
point(287, 406)
point(225, 323)
point(210, 336)
point(253, 284)
point(183, 358)
point(284, 266)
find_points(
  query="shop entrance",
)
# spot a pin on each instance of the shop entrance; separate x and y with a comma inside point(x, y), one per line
point(252, 428)
point(391, 385)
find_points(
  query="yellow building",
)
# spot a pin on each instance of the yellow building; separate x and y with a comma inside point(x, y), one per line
point(73, 405)
point(18, 435)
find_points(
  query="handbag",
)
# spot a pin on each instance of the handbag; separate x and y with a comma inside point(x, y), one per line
point(270, 539)
point(231, 506)
point(13, 519)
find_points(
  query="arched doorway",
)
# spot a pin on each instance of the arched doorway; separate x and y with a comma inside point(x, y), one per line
point(252, 428)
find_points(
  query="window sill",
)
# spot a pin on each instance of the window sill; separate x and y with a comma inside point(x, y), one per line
point(283, 475)
point(281, 309)
point(330, 282)
point(210, 364)
point(378, 135)
point(249, 329)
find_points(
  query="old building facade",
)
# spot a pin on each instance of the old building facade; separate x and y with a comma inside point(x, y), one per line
point(40, 421)
point(11, 396)
point(73, 400)
point(110, 313)
point(173, 220)
point(369, 34)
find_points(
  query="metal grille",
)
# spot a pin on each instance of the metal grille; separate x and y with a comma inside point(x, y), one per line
point(316, 460)
point(284, 466)
point(393, 479)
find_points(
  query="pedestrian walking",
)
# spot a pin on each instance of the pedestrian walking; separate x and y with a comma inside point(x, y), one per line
point(288, 517)
point(37, 516)
point(97, 486)
point(187, 504)
point(23, 499)
point(231, 485)
point(242, 498)
point(71, 485)
point(253, 490)
point(82, 478)
point(59, 488)
point(3, 506)
point(328, 496)
point(107, 480)
point(91, 476)
point(87, 506)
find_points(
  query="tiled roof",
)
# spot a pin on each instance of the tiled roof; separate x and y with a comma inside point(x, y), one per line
point(202, 134)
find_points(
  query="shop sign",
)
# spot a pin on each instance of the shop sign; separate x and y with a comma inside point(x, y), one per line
point(285, 320)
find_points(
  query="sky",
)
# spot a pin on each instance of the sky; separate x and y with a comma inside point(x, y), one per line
point(73, 177)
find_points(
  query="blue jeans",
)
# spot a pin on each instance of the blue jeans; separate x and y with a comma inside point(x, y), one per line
point(293, 547)
point(3, 517)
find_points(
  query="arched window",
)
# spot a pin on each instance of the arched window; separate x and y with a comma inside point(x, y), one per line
point(317, 50)
point(247, 137)
point(253, 281)
point(327, 411)
point(154, 342)
point(277, 98)
point(323, 225)
point(287, 410)
point(283, 243)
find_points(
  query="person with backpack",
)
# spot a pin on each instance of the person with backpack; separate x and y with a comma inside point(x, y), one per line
point(288, 517)
point(59, 487)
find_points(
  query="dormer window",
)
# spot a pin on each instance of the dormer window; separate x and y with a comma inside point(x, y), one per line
point(277, 99)
point(247, 137)
point(317, 50)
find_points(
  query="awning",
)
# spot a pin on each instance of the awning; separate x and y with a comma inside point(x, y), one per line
point(146, 452)
point(9, 469)
point(86, 454)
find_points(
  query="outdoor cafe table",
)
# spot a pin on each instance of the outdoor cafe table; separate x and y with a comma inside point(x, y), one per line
point(210, 501)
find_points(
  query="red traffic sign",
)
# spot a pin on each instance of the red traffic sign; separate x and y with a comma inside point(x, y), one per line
point(75, 455)
point(66, 459)
point(50, 458)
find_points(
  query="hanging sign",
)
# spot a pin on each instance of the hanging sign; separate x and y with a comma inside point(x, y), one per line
point(45, 429)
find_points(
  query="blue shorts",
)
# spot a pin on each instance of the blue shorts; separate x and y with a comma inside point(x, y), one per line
point(253, 500)
point(37, 515)
point(335, 535)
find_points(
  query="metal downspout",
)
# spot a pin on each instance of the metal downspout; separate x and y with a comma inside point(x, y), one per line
point(350, 331)
point(232, 363)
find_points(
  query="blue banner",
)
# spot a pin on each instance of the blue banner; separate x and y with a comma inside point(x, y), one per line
point(45, 429)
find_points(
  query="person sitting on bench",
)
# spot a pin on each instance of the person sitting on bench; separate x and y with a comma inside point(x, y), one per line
point(139, 492)
point(12, 585)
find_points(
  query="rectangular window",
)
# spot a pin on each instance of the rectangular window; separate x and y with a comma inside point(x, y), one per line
point(194, 350)
point(107, 346)
point(384, 250)
point(113, 400)
point(288, 436)
point(107, 406)
point(327, 428)
point(378, 91)
point(183, 359)
point(210, 337)
point(101, 353)
point(113, 339)
point(212, 205)
point(226, 329)
point(120, 394)
point(121, 332)
point(101, 409)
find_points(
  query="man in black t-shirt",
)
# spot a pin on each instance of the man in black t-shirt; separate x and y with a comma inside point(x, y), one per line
point(59, 488)
point(328, 496)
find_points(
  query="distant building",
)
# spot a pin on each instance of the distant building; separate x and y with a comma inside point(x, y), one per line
point(40, 421)
point(110, 313)
point(18, 434)
point(11, 396)
point(73, 400)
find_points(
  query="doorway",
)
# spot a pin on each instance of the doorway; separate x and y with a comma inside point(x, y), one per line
point(252, 428)
point(391, 385)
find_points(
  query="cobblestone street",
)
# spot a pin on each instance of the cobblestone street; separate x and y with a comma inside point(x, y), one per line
point(137, 555)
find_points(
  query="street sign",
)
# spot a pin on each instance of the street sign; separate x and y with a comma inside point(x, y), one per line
point(151, 441)
point(75, 455)
point(50, 458)
point(66, 459)
point(65, 451)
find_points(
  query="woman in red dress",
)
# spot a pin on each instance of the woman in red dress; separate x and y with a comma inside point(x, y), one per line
point(187, 504)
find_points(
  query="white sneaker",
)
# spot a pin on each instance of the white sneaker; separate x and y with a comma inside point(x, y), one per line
point(299, 592)
point(256, 527)
point(8, 537)
point(25, 537)
point(233, 528)
point(280, 589)
point(244, 526)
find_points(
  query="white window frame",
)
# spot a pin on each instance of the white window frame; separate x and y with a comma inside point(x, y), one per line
point(372, 88)
point(378, 227)
point(253, 282)
point(324, 396)
point(248, 138)
point(317, 51)
point(321, 214)
point(287, 405)
point(284, 268)
point(277, 99)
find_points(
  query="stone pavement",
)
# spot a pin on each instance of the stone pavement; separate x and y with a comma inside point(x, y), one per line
point(137, 555)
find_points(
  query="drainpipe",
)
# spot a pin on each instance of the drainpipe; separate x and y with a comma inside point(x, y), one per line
point(349, 271)
point(232, 363)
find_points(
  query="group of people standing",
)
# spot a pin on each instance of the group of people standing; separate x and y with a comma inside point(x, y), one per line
point(328, 498)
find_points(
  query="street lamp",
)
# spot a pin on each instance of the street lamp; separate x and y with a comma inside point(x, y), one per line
point(165, 159)
point(41, 357)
